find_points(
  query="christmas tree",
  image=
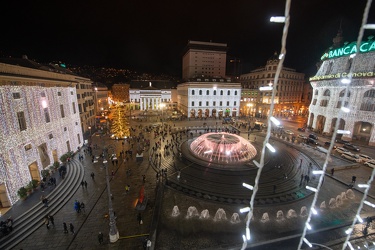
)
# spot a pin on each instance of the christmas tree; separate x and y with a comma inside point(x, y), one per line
point(120, 125)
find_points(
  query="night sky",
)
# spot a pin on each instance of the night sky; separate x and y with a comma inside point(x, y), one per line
point(150, 35)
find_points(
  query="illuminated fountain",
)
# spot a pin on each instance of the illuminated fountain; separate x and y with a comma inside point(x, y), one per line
point(223, 148)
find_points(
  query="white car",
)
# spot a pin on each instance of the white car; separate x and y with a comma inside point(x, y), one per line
point(303, 137)
point(342, 150)
point(351, 157)
point(364, 158)
point(288, 132)
point(370, 163)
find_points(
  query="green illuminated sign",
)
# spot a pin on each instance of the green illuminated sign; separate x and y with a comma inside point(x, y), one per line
point(349, 49)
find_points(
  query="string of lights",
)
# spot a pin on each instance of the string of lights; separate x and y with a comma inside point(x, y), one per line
point(260, 165)
point(347, 84)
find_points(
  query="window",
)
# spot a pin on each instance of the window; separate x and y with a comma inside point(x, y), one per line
point(192, 104)
point(21, 120)
point(193, 92)
point(235, 103)
point(42, 94)
point(46, 115)
point(214, 103)
point(221, 92)
point(78, 96)
point(214, 92)
point(59, 93)
point(74, 107)
point(324, 103)
point(16, 95)
point(370, 93)
point(228, 93)
point(314, 102)
point(207, 103)
point(316, 92)
point(207, 92)
point(227, 103)
point(200, 92)
point(71, 92)
point(50, 136)
point(65, 129)
point(79, 139)
point(367, 106)
point(62, 111)
point(342, 93)
point(327, 93)
point(221, 103)
point(235, 92)
point(28, 147)
point(200, 104)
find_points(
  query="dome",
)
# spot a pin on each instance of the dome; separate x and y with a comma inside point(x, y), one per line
point(223, 148)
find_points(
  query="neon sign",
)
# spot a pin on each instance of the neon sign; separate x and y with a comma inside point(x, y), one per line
point(343, 75)
point(349, 49)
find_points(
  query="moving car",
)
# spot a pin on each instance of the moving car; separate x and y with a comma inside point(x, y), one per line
point(342, 150)
point(312, 141)
point(351, 157)
point(351, 147)
point(370, 163)
point(328, 143)
point(364, 158)
point(313, 136)
point(301, 129)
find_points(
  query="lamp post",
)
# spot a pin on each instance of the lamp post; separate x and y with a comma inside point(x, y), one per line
point(113, 232)
point(90, 131)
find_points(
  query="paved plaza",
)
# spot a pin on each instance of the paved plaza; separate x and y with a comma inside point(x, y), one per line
point(164, 230)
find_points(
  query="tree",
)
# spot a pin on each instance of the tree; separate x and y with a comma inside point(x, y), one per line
point(120, 125)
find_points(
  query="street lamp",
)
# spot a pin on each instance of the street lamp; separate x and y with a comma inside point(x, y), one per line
point(113, 232)
point(90, 130)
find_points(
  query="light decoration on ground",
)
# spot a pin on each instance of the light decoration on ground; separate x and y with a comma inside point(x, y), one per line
point(14, 159)
point(260, 165)
point(347, 84)
point(120, 126)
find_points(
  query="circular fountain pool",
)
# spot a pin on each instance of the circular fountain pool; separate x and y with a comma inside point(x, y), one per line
point(222, 148)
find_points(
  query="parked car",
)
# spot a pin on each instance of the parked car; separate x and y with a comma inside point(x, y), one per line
point(370, 163)
point(313, 136)
point(351, 157)
point(288, 132)
point(328, 143)
point(342, 150)
point(301, 129)
point(351, 147)
point(364, 158)
point(302, 137)
point(341, 141)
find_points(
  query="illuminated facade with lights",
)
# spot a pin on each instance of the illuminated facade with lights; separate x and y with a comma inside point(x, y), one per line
point(290, 96)
point(39, 119)
point(203, 98)
point(337, 70)
point(86, 104)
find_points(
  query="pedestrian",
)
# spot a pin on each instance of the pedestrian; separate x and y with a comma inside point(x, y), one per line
point(144, 178)
point(46, 222)
point(85, 184)
point(139, 218)
point(82, 183)
point(92, 175)
point(354, 178)
point(52, 220)
point(71, 227)
point(100, 238)
point(127, 189)
point(332, 171)
point(274, 188)
point(65, 228)
point(83, 207)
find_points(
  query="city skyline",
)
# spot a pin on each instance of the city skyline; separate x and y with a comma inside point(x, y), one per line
point(150, 36)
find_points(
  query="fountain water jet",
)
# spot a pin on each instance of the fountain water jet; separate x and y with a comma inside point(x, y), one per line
point(303, 212)
point(192, 212)
point(280, 215)
point(323, 205)
point(265, 218)
point(235, 218)
point(204, 214)
point(291, 214)
point(220, 215)
point(350, 194)
point(338, 200)
point(175, 211)
point(332, 203)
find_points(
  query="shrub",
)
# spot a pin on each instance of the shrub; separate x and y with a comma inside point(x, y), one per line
point(35, 183)
point(22, 192)
point(45, 173)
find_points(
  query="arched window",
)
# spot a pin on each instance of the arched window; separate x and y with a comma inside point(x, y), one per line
point(221, 92)
point(368, 101)
point(235, 92)
point(316, 92)
point(207, 92)
point(200, 92)
point(228, 92)
point(327, 93)
point(192, 103)
point(370, 93)
point(342, 93)
point(193, 92)
point(214, 92)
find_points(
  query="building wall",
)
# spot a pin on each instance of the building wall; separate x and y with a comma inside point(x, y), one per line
point(330, 94)
point(86, 104)
point(39, 140)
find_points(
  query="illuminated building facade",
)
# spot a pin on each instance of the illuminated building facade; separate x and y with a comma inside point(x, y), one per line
point(290, 90)
point(120, 92)
point(204, 97)
point(338, 69)
point(100, 98)
point(204, 58)
point(40, 121)
point(86, 104)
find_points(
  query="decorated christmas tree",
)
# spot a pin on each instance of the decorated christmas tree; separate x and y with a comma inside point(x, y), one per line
point(120, 125)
